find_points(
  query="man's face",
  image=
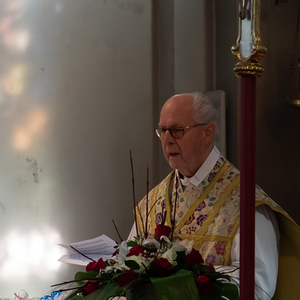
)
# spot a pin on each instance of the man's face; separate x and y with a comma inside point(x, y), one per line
point(189, 152)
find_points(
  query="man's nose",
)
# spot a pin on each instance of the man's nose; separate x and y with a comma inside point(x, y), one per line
point(168, 138)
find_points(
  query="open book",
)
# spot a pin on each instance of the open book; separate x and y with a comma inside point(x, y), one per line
point(96, 248)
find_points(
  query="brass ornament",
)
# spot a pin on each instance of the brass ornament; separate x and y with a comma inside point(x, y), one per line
point(248, 48)
point(295, 103)
point(248, 68)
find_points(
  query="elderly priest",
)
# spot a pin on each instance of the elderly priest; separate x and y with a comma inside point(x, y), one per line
point(206, 214)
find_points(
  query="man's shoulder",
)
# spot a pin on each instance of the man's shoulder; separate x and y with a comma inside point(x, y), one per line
point(160, 187)
point(170, 177)
point(261, 197)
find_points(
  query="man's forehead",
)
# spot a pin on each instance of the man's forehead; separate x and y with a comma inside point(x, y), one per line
point(176, 115)
point(180, 100)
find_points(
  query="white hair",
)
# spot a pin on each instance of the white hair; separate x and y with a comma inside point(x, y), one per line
point(204, 111)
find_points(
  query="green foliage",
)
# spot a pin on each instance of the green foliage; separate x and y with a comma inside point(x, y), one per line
point(74, 296)
point(132, 243)
point(132, 264)
point(107, 291)
point(180, 257)
point(86, 275)
point(181, 281)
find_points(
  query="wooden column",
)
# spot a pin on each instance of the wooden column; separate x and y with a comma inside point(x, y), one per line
point(247, 226)
point(248, 50)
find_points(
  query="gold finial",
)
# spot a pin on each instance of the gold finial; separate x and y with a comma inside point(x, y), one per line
point(248, 48)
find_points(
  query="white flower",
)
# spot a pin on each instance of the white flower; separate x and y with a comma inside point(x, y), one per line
point(171, 256)
point(123, 251)
point(165, 238)
point(152, 241)
point(142, 261)
point(179, 248)
point(188, 245)
point(116, 263)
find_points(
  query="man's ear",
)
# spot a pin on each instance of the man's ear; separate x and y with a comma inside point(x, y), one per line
point(210, 132)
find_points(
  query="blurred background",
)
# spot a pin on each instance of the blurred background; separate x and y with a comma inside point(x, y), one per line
point(82, 84)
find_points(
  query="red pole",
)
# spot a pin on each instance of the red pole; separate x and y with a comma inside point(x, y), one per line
point(247, 219)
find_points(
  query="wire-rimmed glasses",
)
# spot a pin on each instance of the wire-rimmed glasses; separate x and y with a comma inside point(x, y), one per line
point(176, 132)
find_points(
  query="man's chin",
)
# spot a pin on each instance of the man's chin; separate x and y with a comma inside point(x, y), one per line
point(174, 157)
point(174, 163)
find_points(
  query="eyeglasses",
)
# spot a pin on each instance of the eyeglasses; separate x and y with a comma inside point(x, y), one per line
point(176, 132)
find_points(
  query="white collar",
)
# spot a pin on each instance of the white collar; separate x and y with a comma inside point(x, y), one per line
point(203, 170)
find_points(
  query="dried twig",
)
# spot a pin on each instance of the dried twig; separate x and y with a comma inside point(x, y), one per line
point(82, 254)
point(117, 231)
point(134, 201)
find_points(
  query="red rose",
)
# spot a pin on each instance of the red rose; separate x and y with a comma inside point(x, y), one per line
point(204, 285)
point(136, 250)
point(162, 230)
point(96, 266)
point(90, 287)
point(127, 277)
point(161, 266)
point(194, 257)
point(210, 266)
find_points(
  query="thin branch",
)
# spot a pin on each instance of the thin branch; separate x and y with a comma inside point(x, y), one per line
point(164, 219)
point(64, 290)
point(162, 226)
point(152, 206)
point(82, 254)
point(163, 213)
point(67, 282)
point(146, 225)
point(134, 201)
point(175, 204)
point(117, 231)
point(140, 213)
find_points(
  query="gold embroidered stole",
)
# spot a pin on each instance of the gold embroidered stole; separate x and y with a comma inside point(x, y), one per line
point(207, 214)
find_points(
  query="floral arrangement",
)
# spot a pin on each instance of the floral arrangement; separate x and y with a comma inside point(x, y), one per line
point(176, 272)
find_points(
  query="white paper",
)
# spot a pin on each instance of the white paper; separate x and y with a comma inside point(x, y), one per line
point(99, 247)
point(77, 259)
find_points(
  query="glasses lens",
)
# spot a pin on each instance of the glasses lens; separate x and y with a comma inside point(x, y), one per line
point(176, 132)
point(158, 132)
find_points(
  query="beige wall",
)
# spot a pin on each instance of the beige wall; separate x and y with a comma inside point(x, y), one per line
point(75, 97)
point(194, 41)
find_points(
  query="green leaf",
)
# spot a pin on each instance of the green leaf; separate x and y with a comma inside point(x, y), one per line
point(86, 275)
point(139, 291)
point(74, 296)
point(230, 291)
point(226, 289)
point(180, 257)
point(132, 264)
point(108, 291)
point(167, 287)
point(131, 243)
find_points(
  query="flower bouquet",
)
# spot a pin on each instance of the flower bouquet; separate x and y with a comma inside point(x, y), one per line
point(174, 271)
